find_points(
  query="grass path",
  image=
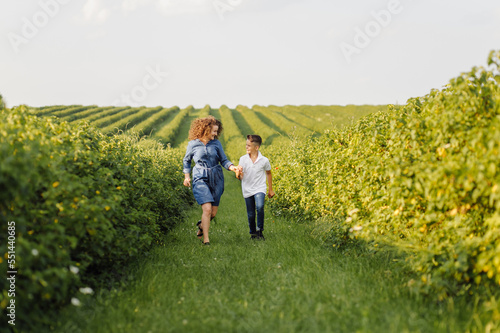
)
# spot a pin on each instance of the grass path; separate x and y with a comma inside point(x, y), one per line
point(288, 283)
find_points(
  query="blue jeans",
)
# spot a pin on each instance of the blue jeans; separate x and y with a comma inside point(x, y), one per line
point(254, 204)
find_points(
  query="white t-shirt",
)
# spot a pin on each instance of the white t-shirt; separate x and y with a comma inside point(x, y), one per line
point(254, 175)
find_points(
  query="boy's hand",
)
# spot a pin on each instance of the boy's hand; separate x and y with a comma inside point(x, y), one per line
point(271, 194)
point(239, 172)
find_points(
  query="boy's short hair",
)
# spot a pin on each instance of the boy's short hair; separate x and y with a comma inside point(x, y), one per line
point(255, 138)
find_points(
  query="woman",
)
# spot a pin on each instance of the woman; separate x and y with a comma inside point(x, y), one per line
point(208, 180)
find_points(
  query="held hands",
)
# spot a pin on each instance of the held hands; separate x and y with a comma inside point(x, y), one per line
point(238, 170)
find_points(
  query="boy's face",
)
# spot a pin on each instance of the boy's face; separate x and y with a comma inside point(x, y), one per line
point(252, 147)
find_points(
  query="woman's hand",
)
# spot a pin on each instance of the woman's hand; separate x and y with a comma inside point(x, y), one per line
point(187, 180)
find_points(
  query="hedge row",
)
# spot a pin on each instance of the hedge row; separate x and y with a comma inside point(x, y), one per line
point(424, 178)
point(205, 111)
point(232, 138)
point(258, 126)
point(168, 133)
point(83, 114)
point(131, 120)
point(153, 123)
point(84, 204)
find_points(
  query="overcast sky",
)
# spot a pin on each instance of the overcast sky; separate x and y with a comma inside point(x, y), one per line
point(197, 52)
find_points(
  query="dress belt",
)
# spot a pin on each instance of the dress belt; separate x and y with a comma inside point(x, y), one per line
point(211, 180)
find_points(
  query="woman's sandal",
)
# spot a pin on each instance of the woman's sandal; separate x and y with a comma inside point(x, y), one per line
point(199, 235)
point(207, 243)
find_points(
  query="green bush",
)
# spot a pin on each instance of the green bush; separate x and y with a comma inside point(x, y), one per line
point(83, 204)
point(424, 177)
point(205, 111)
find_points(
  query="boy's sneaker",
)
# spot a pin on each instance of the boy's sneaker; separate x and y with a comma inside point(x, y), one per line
point(254, 236)
point(260, 235)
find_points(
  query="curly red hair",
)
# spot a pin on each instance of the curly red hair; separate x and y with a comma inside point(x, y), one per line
point(201, 128)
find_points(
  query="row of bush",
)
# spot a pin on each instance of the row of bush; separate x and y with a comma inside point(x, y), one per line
point(423, 177)
point(232, 139)
point(131, 120)
point(170, 131)
point(84, 205)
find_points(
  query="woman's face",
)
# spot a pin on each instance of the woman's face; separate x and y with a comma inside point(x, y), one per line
point(213, 133)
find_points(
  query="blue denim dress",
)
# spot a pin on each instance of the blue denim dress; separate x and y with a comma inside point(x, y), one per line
point(208, 180)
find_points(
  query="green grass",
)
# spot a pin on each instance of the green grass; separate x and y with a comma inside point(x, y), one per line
point(288, 283)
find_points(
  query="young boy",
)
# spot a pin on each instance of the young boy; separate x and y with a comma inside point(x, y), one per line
point(254, 170)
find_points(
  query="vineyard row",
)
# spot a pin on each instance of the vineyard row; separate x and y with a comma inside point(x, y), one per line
point(171, 125)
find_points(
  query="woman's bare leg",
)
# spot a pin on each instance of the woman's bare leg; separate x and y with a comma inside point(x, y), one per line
point(205, 220)
point(214, 211)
